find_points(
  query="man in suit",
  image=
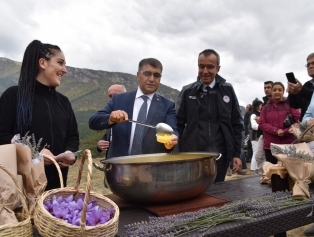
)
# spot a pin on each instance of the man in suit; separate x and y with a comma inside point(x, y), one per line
point(104, 143)
point(127, 105)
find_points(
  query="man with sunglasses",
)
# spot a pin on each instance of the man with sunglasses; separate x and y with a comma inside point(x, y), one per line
point(144, 105)
point(300, 96)
point(209, 117)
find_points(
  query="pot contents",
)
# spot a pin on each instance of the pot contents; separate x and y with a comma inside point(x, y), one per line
point(163, 137)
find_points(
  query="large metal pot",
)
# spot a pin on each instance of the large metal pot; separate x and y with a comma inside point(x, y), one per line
point(154, 178)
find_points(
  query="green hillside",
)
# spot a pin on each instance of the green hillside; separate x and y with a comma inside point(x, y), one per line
point(87, 91)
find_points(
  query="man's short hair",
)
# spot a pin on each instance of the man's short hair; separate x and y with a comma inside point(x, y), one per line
point(310, 56)
point(268, 82)
point(151, 61)
point(208, 52)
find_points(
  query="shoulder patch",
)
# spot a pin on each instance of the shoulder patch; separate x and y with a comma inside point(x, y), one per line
point(226, 99)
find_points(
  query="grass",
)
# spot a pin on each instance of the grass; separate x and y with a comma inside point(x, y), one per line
point(97, 184)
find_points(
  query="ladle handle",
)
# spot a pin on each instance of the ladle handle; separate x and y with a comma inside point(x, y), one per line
point(98, 167)
point(132, 121)
point(218, 157)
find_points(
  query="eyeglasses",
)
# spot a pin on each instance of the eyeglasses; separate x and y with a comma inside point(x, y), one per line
point(149, 74)
point(309, 64)
point(209, 67)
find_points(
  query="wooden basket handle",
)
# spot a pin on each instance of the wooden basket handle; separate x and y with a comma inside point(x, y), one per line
point(22, 198)
point(58, 168)
point(86, 155)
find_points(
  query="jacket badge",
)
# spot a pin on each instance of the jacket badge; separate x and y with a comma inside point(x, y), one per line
point(226, 99)
point(191, 97)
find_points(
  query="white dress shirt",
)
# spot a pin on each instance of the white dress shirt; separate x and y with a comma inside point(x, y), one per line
point(136, 108)
point(211, 85)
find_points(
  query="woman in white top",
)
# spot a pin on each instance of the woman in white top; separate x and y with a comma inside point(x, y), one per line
point(256, 132)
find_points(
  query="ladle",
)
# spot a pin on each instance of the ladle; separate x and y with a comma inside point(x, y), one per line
point(160, 127)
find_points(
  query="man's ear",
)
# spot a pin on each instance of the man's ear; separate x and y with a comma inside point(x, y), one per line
point(42, 63)
point(218, 68)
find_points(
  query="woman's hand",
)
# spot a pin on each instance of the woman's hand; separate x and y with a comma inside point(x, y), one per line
point(48, 153)
point(65, 159)
point(280, 133)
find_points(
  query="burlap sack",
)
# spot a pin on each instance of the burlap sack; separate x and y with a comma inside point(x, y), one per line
point(7, 216)
point(299, 162)
point(9, 199)
point(307, 135)
point(34, 177)
point(260, 153)
point(265, 179)
point(7, 186)
point(304, 132)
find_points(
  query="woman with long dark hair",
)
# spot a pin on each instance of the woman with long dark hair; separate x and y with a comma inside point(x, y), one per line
point(36, 107)
point(272, 119)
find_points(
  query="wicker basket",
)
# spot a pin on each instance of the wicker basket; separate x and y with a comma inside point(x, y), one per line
point(24, 227)
point(50, 226)
point(57, 167)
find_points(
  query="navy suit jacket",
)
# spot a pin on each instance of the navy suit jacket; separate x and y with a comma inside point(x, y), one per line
point(161, 110)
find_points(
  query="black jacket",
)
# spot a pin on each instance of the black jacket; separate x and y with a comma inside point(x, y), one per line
point(52, 119)
point(265, 99)
point(247, 126)
point(230, 119)
point(303, 99)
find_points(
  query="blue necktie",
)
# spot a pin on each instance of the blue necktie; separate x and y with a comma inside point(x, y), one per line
point(138, 133)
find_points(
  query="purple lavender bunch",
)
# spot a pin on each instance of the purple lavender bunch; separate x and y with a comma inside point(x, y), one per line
point(205, 219)
point(70, 210)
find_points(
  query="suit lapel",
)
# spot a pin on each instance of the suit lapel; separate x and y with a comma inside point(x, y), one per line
point(151, 112)
point(129, 110)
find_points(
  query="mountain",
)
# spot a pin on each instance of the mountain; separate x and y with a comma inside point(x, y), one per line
point(85, 88)
point(87, 91)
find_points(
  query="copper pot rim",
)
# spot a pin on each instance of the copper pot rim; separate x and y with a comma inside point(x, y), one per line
point(157, 158)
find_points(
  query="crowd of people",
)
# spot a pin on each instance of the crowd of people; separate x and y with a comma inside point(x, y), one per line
point(269, 121)
point(206, 116)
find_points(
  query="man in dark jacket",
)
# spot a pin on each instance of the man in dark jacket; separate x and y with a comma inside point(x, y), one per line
point(103, 144)
point(267, 89)
point(209, 117)
point(300, 96)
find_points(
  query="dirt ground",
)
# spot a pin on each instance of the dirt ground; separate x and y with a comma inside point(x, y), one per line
point(98, 186)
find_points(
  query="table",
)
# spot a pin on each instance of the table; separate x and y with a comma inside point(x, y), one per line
point(264, 226)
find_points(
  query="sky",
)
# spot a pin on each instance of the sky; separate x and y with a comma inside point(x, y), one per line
point(257, 40)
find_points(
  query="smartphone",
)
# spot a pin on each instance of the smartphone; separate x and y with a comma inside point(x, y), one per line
point(290, 77)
